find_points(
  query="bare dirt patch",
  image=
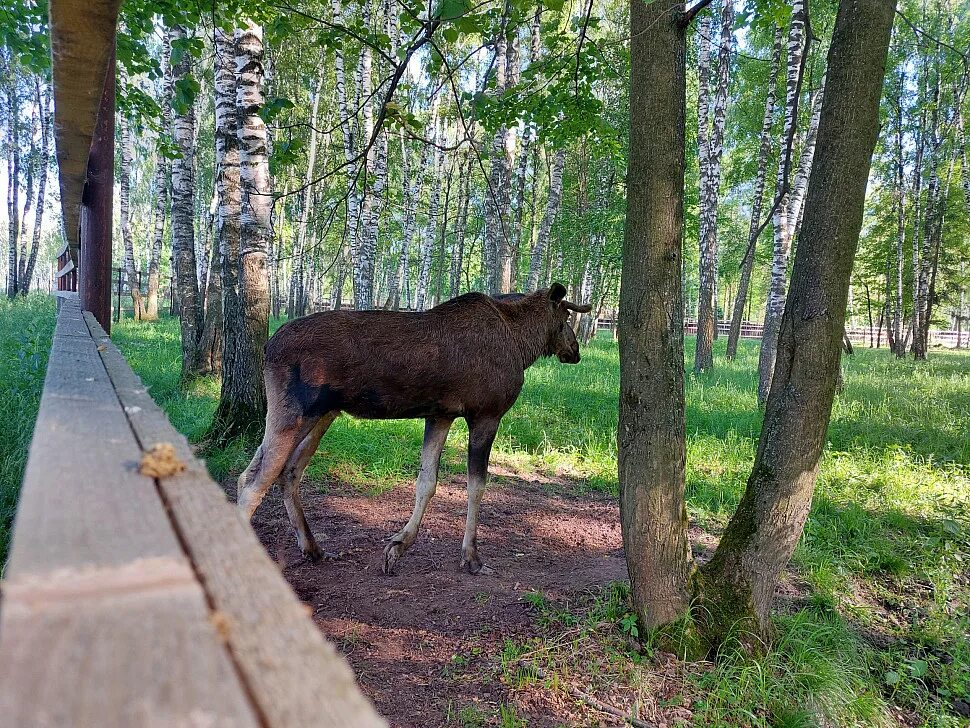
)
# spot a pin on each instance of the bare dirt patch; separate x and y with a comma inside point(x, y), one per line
point(425, 642)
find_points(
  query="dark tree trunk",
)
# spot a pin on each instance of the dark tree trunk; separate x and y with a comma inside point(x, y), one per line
point(652, 429)
point(736, 587)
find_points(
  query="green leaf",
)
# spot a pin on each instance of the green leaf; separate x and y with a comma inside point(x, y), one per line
point(951, 527)
point(451, 34)
point(891, 678)
point(451, 9)
point(918, 668)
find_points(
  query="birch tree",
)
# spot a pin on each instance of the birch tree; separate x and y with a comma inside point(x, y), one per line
point(183, 211)
point(757, 202)
point(710, 187)
point(160, 187)
point(497, 246)
point(127, 162)
point(782, 234)
point(548, 218)
point(242, 404)
point(43, 165)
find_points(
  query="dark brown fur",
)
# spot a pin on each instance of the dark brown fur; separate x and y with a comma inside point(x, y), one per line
point(464, 358)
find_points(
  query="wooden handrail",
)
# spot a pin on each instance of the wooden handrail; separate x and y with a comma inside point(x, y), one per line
point(137, 601)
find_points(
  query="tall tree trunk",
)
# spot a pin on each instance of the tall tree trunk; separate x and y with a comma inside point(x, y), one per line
point(13, 178)
point(242, 405)
point(183, 227)
point(899, 200)
point(127, 160)
point(737, 586)
point(926, 234)
point(548, 218)
point(461, 224)
point(782, 234)
point(427, 244)
point(653, 513)
point(497, 248)
point(757, 203)
point(525, 149)
point(28, 202)
point(212, 341)
point(43, 166)
point(412, 193)
point(706, 309)
point(296, 297)
point(160, 184)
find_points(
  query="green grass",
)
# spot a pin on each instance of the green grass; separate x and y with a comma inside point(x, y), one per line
point(26, 326)
point(881, 617)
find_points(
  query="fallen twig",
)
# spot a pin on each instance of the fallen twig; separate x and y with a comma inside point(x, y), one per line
point(590, 700)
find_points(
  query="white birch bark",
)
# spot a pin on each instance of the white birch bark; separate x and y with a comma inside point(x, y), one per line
point(548, 218)
point(183, 227)
point(127, 239)
point(498, 194)
point(706, 312)
point(422, 299)
point(757, 202)
point(255, 219)
point(43, 103)
point(160, 186)
point(775, 305)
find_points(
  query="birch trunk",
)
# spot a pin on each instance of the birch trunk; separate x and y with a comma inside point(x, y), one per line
point(183, 228)
point(426, 253)
point(160, 184)
point(757, 203)
point(127, 160)
point(43, 104)
point(899, 200)
point(13, 179)
point(497, 248)
point(706, 308)
point(243, 402)
point(548, 218)
point(296, 298)
point(28, 202)
point(461, 223)
point(775, 305)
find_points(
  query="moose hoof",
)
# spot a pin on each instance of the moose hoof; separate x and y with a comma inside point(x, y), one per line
point(312, 552)
point(473, 565)
point(392, 553)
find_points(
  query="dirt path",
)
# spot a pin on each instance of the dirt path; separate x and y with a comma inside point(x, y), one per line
point(425, 643)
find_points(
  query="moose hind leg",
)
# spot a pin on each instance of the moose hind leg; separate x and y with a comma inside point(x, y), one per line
point(435, 434)
point(481, 435)
point(290, 479)
point(278, 444)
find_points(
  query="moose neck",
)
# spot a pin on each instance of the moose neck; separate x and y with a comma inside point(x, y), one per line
point(530, 330)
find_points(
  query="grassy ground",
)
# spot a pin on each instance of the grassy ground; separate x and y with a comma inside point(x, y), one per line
point(874, 623)
point(26, 326)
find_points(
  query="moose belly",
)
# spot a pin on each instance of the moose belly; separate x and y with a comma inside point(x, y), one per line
point(384, 403)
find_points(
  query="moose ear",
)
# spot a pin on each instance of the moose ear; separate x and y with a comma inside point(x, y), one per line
point(557, 292)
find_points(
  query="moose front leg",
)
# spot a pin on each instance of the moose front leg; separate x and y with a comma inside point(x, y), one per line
point(435, 434)
point(481, 435)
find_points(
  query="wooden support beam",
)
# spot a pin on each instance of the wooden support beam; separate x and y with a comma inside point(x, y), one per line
point(97, 208)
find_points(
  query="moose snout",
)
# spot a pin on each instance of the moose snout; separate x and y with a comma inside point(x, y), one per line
point(570, 357)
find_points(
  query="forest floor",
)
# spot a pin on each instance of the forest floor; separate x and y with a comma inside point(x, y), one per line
point(873, 622)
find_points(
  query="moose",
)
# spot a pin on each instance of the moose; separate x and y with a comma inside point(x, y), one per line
point(463, 358)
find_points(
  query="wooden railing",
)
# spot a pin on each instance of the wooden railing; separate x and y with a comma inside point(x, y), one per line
point(140, 601)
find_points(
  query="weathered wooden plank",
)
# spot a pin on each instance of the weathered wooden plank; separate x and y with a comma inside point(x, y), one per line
point(149, 657)
point(82, 504)
point(293, 673)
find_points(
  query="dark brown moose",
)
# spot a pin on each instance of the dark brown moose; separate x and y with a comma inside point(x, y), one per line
point(464, 358)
